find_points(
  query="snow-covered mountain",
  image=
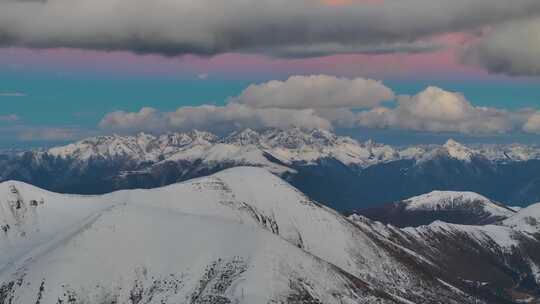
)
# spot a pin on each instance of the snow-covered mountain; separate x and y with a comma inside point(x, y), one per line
point(526, 219)
point(451, 149)
point(338, 171)
point(240, 236)
point(290, 145)
point(449, 206)
point(496, 261)
point(484, 257)
point(455, 150)
point(248, 146)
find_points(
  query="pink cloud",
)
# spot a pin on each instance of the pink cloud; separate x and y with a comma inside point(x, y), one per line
point(441, 62)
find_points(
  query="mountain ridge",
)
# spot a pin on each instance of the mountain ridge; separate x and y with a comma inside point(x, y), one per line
point(248, 236)
point(331, 169)
point(449, 206)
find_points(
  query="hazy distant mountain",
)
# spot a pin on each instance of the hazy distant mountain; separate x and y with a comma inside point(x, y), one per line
point(338, 171)
point(245, 236)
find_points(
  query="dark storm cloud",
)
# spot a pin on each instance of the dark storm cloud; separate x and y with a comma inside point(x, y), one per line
point(512, 48)
point(276, 27)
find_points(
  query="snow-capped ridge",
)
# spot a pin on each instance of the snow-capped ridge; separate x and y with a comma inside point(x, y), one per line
point(267, 234)
point(455, 200)
point(242, 235)
point(526, 219)
point(451, 149)
point(288, 146)
point(458, 151)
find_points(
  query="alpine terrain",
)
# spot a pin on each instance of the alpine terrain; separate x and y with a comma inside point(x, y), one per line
point(337, 171)
point(244, 235)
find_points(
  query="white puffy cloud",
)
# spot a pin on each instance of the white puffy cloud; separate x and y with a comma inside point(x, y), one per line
point(532, 125)
point(437, 110)
point(512, 48)
point(218, 119)
point(316, 91)
point(144, 120)
point(327, 102)
point(318, 101)
point(280, 27)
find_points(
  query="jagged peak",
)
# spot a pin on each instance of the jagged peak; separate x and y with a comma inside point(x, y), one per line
point(458, 151)
point(287, 145)
point(243, 137)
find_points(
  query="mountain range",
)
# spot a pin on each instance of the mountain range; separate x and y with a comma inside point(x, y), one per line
point(244, 235)
point(340, 172)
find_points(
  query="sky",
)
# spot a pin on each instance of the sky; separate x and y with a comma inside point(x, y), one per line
point(407, 71)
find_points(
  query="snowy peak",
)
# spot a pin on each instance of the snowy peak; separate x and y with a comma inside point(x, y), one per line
point(458, 151)
point(526, 219)
point(450, 206)
point(241, 236)
point(224, 250)
point(451, 149)
point(140, 147)
point(289, 146)
point(244, 137)
point(454, 201)
point(185, 139)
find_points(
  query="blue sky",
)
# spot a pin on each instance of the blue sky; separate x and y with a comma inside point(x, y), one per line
point(81, 98)
point(470, 67)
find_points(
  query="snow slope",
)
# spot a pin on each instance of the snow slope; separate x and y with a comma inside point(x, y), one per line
point(450, 206)
point(289, 146)
point(244, 147)
point(516, 250)
point(455, 200)
point(242, 235)
point(196, 242)
point(527, 220)
point(239, 236)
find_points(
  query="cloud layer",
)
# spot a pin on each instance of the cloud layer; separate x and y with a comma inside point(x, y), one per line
point(512, 48)
point(278, 27)
point(437, 110)
point(317, 91)
point(217, 119)
point(327, 102)
point(532, 125)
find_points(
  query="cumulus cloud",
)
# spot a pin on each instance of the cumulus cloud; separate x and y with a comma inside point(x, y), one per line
point(147, 119)
point(328, 102)
point(280, 27)
point(512, 48)
point(532, 125)
point(218, 119)
point(316, 91)
point(437, 110)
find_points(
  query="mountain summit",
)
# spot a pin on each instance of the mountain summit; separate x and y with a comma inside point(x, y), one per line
point(448, 206)
point(242, 235)
point(339, 171)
